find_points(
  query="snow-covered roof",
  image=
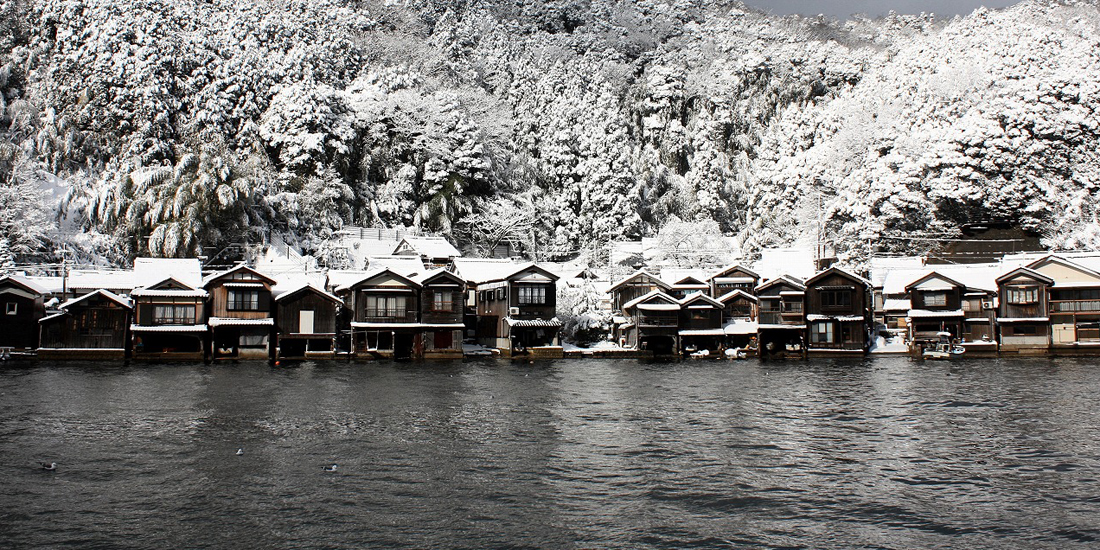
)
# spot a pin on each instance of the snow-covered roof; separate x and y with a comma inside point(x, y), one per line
point(731, 268)
point(835, 270)
point(774, 262)
point(167, 328)
point(215, 276)
point(651, 295)
point(896, 304)
point(479, 270)
point(700, 297)
point(344, 278)
point(408, 266)
point(738, 326)
point(641, 272)
point(352, 281)
point(24, 282)
point(785, 279)
point(428, 247)
point(149, 271)
point(435, 273)
point(124, 302)
point(735, 294)
point(291, 291)
point(679, 274)
point(880, 266)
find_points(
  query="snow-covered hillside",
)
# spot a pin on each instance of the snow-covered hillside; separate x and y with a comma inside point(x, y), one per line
point(562, 125)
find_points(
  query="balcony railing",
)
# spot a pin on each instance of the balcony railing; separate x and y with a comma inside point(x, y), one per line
point(388, 316)
point(658, 321)
point(1074, 306)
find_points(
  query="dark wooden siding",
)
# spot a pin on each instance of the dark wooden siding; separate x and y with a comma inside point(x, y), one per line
point(289, 313)
point(20, 330)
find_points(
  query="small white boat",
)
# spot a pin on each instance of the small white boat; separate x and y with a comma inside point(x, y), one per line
point(736, 353)
point(944, 349)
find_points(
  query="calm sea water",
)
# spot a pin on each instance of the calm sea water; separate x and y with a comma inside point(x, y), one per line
point(883, 453)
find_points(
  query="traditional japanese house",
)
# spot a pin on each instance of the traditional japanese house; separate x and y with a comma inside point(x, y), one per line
point(1073, 305)
point(241, 322)
point(93, 326)
point(23, 307)
point(169, 322)
point(700, 324)
point(305, 322)
point(653, 323)
point(687, 286)
point(782, 321)
point(1022, 314)
point(838, 312)
point(517, 312)
point(734, 277)
point(739, 312)
point(442, 301)
point(384, 315)
point(936, 306)
point(626, 290)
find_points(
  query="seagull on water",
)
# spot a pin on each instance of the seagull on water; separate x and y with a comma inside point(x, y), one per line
point(240, 452)
point(49, 467)
point(330, 468)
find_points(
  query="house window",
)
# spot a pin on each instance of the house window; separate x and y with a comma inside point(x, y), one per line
point(532, 295)
point(1024, 295)
point(935, 299)
point(821, 333)
point(11, 308)
point(244, 300)
point(1024, 329)
point(792, 307)
point(442, 300)
point(836, 299)
point(386, 306)
point(169, 314)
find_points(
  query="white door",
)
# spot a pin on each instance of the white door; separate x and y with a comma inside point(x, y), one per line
point(305, 322)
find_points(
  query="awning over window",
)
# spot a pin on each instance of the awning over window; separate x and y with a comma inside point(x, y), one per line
point(168, 328)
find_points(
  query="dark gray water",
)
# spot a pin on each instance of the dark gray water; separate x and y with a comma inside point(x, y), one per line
point(888, 453)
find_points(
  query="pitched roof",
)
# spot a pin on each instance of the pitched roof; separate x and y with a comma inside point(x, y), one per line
point(148, 271)
point(22, 283)
point(242, 267)
point(373, 274)
point(124, 302)
point(425, 278)
point(734, 294)
point(784, 279)
point(700, 297)
point(1052, 259)
point(429, 247)
point(649, 296)
point(480, 270)
point(640, 272)
point(1025, 271)
point(307, 287)
point(731, 268)
point(934, 275)
point(405, 265)
point(838, 271)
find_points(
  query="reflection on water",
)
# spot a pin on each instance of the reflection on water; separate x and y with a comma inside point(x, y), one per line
point(879, 453)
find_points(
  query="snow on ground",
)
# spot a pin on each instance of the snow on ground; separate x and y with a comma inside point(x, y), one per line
point(895, 345)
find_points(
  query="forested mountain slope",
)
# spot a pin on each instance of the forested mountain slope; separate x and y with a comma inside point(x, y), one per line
point(170, 126)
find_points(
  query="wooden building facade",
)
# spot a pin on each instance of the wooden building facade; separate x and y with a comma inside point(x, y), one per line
point(838, 313)
point(23, 306)
point(169, 322)
point(241, 322)
point(305, 323)
point(93, 326)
